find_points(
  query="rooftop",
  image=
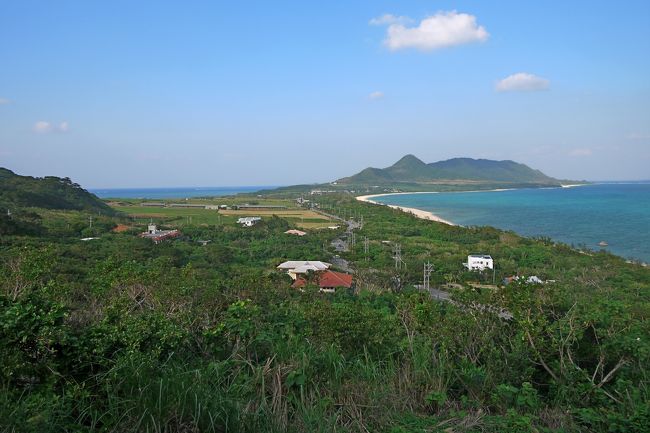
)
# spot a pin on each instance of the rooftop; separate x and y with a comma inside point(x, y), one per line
point(295, 232)
point(480, 256)
point(328, 279)
point(304, 264)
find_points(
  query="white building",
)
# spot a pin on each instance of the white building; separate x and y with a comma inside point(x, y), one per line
point(295, 267)
point(479, 262)
point(248, 221)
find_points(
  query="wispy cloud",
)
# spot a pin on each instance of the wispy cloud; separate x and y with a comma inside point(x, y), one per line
point(388, 19)
point(522, 82)
point(581, 152)
point(442, 30)
point(637, 136)
point(5, 101)
point(44, 127)
point(376, 95)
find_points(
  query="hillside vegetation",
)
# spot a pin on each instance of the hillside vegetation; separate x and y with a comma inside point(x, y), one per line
point(410, 169)
point(48, 192)
point(119, 334)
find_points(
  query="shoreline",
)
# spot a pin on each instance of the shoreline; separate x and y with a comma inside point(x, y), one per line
point(418, 213)
point(426, 215)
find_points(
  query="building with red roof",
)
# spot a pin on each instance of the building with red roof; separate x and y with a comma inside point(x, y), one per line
point(328, 281)
point(157, 236)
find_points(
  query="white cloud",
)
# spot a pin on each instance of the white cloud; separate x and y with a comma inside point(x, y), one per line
point(5, 101)
point(522, 82)
point(581, 152)
point(387, 19)
point(442, 30)
point(376, 95)
point(44, 127)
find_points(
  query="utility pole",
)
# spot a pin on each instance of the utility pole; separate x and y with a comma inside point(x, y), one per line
point(397, 256)
point(91, 221)
point(366, 247)
point(428, 269)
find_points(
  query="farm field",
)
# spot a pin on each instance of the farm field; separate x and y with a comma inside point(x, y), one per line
point(180, 217)
point(303, 218)
point(176, 216)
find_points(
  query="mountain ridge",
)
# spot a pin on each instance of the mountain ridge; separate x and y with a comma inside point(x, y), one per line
point(410, 169)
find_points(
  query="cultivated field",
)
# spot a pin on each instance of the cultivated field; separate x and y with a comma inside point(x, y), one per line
point(303, 218)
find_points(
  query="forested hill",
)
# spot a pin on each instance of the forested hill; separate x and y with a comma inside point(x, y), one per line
point(410, 169)
point(48, 192)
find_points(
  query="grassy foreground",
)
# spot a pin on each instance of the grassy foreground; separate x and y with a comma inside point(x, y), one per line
point(118, 334)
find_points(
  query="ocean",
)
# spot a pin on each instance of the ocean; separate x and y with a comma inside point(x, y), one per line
point(169, 193)
point(616, 213)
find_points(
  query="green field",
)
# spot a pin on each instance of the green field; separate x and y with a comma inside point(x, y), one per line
point(174, 216)
point(180, 217)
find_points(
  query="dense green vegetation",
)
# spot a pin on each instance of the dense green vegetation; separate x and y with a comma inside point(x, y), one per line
point(49, 192)
point(119, 334)
point(410, 169)
point(411, 174)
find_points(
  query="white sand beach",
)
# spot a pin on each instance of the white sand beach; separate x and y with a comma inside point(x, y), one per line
point(416, 212)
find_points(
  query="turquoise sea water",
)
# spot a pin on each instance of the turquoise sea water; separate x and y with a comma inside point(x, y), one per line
point(162, 193)
point(616, 213)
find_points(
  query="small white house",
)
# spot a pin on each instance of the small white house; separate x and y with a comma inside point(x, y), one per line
point(295, 267)
point(248, 221)
point(479, 262)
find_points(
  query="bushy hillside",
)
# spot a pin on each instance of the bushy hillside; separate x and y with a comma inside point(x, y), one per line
point(412, 169)
point(48, 192)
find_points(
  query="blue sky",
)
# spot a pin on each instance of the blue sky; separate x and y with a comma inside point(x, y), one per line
point(136, 94)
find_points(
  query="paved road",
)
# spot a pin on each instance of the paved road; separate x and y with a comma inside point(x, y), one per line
point(441, 295)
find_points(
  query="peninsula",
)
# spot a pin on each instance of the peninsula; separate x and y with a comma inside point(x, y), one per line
point(411, 174)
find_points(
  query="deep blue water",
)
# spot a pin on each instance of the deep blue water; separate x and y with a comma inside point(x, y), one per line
point(618, 214)
point(161, 193)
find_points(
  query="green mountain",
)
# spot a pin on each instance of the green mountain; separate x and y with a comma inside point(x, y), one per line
point(411, 170)
point(48, 192)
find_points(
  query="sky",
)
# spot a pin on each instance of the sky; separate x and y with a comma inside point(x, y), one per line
point(215, 93)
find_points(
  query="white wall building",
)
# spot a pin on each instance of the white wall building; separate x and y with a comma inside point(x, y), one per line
point(479, 262)
point(295, 267)
point(248, 221)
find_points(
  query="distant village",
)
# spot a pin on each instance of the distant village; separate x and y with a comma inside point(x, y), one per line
point(310, 272)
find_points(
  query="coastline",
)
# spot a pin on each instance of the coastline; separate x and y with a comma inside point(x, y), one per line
point(418, 213)
point(422, 214)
